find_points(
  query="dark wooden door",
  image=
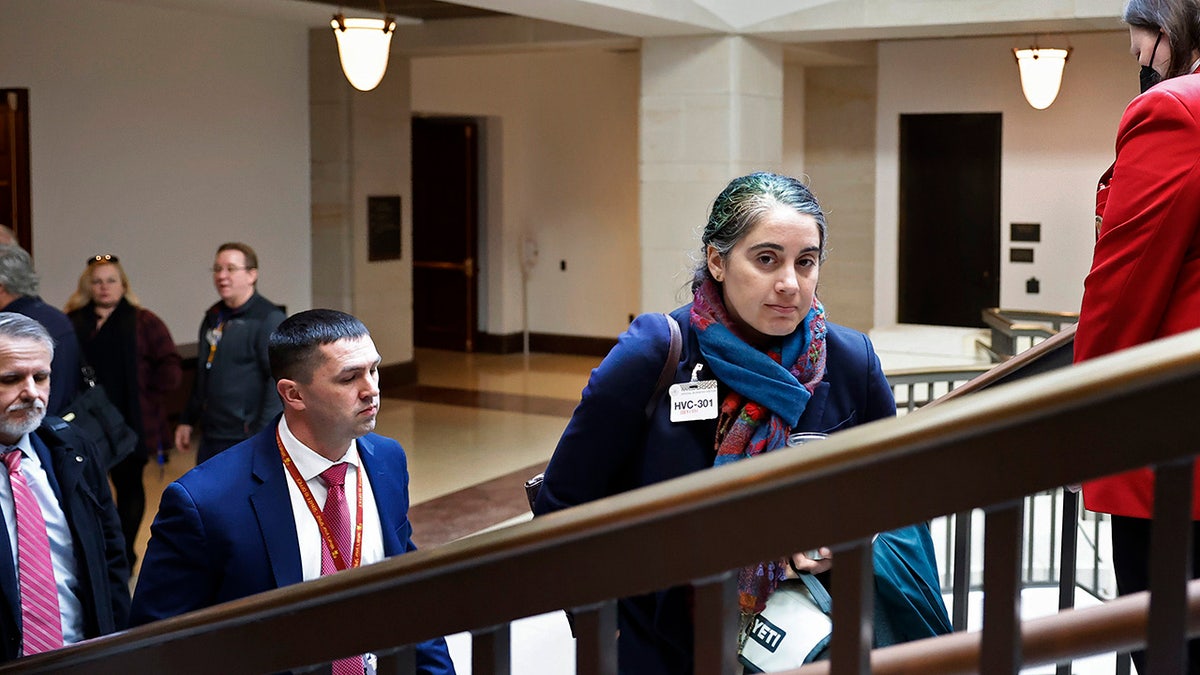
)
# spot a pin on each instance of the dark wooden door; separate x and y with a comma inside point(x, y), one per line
point(14, 164)
point(445, 223)
point(949, 225)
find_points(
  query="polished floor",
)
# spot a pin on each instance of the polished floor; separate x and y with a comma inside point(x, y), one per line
point(476, 425)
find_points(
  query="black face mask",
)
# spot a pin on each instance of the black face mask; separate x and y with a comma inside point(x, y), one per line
point(1150, 77)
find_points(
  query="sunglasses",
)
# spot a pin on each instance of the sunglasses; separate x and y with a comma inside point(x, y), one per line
point(106, 258)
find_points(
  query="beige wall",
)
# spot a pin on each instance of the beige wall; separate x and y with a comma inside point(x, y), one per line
point(1050, 161)
point(361, 147)
point(562, 126)
point(840, 164)
point(157, 136)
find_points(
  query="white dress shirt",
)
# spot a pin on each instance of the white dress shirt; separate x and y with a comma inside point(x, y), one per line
point(310, 465)
point(62, 553)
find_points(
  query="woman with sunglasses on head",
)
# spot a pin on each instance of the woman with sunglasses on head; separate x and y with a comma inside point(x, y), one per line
point(1145, 278)
point(135, 360)
point(767, 365)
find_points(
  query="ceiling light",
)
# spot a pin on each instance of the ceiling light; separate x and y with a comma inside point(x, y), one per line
point(363, 46)
point(1041, 74)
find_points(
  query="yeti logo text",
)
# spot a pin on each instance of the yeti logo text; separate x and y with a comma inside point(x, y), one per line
point(766, 633)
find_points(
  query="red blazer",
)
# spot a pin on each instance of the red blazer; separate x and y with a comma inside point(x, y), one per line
point(1145, 277)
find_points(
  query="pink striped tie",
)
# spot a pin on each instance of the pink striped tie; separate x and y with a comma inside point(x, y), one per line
point(337, 518)
point(41, 624)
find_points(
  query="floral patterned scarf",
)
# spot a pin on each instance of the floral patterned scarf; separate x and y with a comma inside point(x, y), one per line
point(766, 399)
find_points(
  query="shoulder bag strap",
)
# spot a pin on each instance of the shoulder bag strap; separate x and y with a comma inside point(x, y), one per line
point(672, 363)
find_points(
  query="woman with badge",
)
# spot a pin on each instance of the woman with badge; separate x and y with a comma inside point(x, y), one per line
point(1144, 283)
point(757, 362)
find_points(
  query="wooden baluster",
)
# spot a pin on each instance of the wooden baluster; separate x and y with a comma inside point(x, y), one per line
point(491, 651)
point(1067, 560)
point(962, 569)
point(1000, 645)
point(399, 661)
point(595, 629)
point(1170, 568)
point(853, 608)
point(716, 624)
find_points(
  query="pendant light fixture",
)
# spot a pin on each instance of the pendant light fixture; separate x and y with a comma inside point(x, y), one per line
point(363, 46)
point(1041, 73)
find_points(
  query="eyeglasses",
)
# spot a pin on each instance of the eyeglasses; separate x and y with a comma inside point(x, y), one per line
point(106, 258)
point(217, 269)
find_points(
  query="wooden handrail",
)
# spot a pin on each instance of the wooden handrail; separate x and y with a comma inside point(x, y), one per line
point(1045, 640)
point(1053, 348)
point(915, 465)
point(1006, 320)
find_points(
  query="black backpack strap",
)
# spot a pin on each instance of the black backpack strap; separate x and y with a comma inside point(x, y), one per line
point(667, 376)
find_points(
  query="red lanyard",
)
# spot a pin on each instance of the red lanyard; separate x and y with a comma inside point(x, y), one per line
point(356, 557)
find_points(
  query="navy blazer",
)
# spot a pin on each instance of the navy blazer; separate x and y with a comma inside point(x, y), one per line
point(102, 573)
point(609, 446)
point(226, 530)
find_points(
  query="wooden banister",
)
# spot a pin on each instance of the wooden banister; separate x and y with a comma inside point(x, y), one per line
point(1013, 440)
point(1052, 353)
point(1111, 627)
point(1006, 331)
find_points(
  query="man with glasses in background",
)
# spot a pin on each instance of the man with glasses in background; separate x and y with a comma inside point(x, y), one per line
point(233, 396)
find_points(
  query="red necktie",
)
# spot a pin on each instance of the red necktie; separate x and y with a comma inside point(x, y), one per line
point(41, 623)
point(337, 519)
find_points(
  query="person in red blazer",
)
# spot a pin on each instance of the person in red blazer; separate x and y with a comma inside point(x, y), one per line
point(1145, 278)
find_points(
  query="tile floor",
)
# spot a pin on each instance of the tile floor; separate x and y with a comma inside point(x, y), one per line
point(476, 424)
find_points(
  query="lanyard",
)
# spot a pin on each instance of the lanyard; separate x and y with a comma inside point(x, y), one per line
point(214, 336)
point(326, 534)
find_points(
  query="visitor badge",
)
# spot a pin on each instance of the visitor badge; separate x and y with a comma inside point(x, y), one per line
point(695, 400)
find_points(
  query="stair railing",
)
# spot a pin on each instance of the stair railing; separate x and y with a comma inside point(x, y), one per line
point(986, 451)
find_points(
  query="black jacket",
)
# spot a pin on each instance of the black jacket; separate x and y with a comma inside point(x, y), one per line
point(234, 395)
point(101, 569)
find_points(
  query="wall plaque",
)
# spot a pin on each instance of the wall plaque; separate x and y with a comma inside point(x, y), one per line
point(383, 228)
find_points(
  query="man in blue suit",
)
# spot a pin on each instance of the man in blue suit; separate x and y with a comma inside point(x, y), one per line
point(248, 520)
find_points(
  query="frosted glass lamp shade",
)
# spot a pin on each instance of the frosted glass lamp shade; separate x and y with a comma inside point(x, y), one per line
point(363, 46)
point(1041, 74)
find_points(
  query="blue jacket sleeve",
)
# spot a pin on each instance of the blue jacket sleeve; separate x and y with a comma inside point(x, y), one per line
point(880, 399)
point(433, 658)
point(175, 577)
point(609, 425)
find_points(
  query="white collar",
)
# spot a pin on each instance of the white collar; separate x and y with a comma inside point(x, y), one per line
point(26, 448)
point(307, 461)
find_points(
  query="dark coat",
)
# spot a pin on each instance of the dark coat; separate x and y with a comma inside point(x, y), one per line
point(139, 373)
point(103, 573)
point(235, 397)
point(608, 447)
point(226, 530)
